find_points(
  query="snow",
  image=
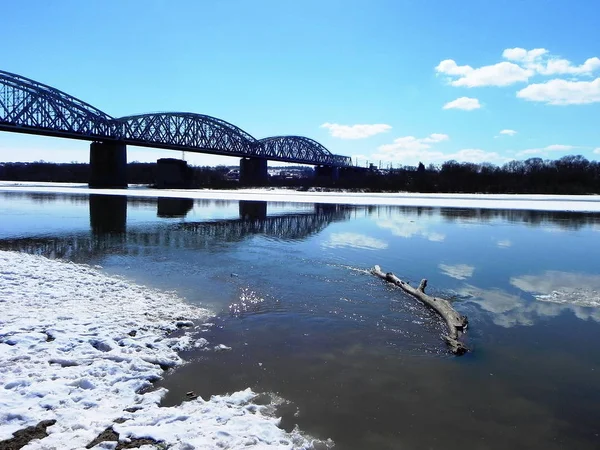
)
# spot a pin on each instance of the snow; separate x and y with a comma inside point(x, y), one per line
point(80, 347)
point(580, 203)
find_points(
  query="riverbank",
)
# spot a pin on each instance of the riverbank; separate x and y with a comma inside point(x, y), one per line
point(537, 202)
point(82, 349)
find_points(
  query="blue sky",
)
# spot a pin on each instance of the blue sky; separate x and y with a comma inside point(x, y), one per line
point(394, 81)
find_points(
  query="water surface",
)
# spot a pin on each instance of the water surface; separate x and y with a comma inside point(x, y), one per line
point(357, 360)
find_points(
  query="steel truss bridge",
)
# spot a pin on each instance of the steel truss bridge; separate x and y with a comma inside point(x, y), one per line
point(27, 106)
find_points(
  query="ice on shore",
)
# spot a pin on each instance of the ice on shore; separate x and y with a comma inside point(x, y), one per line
point(538, 202)
point(79, 346)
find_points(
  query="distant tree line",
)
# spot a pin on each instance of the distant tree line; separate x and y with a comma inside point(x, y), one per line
point(137, 173)
point(43, 171)
point(567, 175)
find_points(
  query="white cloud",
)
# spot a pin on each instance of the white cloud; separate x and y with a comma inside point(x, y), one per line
point(524, 56)
point(449, 67)
point(520, 65)
point(411, 144)
point(358, 131)
point(508, 132)
point(562, 92)
point(546, 150)
point(559, 147)
point(543, 63)
point(436, 137)
point(465, 103)
point(355, 240)
point(458, 271)
point(563, 66)
point(597, 151)
point(531, 151)
point(500, 74)
point(410, 150)
point(475, 155)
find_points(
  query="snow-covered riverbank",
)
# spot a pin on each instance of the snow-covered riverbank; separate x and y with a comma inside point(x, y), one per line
point(580, 203)
point(77, 346)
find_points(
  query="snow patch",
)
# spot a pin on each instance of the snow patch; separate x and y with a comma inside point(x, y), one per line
point(67, 355)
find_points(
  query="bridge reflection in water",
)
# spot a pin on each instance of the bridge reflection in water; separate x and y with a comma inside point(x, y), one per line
point(108, 214)
point(110, 234)
point(174, 207)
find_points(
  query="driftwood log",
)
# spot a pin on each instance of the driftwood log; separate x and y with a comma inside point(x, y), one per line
point(457, 324)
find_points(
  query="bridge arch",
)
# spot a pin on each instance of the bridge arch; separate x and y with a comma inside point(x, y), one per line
point(29, 106)
point(298, 149)
point(188, 131)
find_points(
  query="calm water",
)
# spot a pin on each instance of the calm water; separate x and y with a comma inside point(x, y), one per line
point(358, 361)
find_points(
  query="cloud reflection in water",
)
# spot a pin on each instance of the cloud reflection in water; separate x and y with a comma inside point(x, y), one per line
point(562, 287)
point(458, 271)
point(553, 293)
point(355, 240)
point(406, 229)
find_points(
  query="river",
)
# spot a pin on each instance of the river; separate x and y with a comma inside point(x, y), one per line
point(354, 359)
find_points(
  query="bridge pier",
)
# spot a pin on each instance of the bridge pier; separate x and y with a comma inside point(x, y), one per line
point(172, 173)
point(253, 171)
point(327, 172)
point(253, 209)
point(108, 165)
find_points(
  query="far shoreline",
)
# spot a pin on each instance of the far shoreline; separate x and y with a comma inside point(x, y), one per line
point(538, 202)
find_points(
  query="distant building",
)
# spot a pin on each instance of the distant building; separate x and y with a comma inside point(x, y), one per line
point(233, 175)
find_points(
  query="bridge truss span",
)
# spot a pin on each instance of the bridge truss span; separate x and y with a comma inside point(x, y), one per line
point(186, 131)
point(30, 107)
point(300, 149)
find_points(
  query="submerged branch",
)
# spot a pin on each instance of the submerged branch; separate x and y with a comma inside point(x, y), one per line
point(457, 323)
